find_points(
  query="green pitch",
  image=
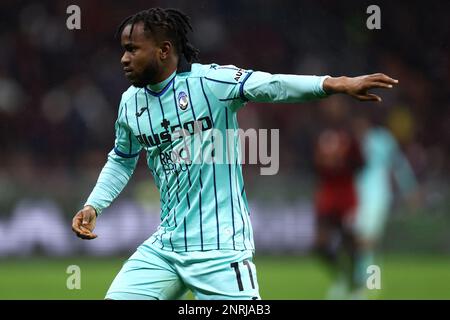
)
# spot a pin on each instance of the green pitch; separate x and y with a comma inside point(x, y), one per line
point(403, 277)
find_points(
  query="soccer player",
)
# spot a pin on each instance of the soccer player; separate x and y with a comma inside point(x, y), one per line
point(383, 157)
point(204, 241)
point(337, 160)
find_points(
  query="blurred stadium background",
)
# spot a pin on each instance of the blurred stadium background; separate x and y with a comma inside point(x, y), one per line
point(59, 91)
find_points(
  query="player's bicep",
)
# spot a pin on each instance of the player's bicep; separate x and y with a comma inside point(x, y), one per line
point(226, 84)
point(126, 145)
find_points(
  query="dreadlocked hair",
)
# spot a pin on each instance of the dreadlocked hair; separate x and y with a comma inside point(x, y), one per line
point(165, 23)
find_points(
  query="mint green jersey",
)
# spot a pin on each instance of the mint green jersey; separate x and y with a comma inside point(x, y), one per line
point(203, 203)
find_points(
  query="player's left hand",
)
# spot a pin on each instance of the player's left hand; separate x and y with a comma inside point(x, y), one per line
point(83, 223)
point(358, 87)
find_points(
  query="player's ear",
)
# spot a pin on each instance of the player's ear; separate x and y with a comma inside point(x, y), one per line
point(165, 50)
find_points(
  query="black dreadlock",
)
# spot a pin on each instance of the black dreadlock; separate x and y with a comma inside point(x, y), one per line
point(165, 23)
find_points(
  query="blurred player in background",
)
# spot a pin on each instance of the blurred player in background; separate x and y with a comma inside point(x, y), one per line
point(383, 160)
point(204, 242)
point(337, 159)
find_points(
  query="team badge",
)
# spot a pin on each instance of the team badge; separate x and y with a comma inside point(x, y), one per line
point(183, 100)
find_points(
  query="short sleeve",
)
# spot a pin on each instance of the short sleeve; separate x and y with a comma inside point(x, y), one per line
point(126, 145)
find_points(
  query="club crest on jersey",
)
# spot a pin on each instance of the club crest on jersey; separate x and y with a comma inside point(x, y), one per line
point(183, 100)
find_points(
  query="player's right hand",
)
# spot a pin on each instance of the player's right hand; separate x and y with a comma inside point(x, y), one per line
point(84, 223)
point(358, 87)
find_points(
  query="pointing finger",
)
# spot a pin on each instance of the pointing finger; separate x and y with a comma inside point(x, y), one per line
point(380, 85)
point(381, 77)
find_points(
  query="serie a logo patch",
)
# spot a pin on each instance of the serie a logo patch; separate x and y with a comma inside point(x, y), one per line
point(183, 100)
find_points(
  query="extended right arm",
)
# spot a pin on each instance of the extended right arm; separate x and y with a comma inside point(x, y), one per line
point(235, 86)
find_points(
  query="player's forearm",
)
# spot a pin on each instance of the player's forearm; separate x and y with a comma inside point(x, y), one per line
point(265, 87)
point(111, 181)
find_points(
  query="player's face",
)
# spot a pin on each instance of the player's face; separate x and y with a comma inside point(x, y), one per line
point(141, 62)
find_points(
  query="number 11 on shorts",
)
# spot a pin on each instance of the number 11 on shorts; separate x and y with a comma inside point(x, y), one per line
point(235, 266)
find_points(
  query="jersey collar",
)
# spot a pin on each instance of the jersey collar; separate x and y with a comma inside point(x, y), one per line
point(161, 87)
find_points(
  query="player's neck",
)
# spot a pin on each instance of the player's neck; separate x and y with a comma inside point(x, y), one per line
point(165, 75)
point(156, 87)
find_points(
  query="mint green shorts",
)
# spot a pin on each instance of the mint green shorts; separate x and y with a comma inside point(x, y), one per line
point(155, 274)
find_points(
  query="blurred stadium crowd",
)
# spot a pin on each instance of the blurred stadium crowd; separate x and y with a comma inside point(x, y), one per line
point(59, 88)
